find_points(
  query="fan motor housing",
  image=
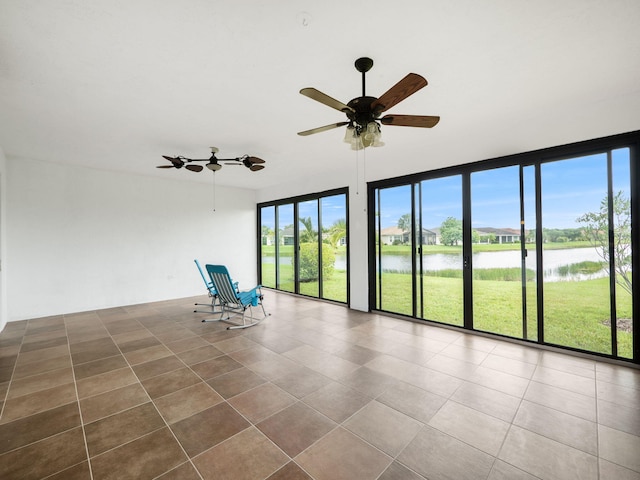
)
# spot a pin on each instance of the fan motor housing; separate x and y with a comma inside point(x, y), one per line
point(362, 113)
point(364, 64)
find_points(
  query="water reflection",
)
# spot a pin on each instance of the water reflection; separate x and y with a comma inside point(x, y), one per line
point(553, 261)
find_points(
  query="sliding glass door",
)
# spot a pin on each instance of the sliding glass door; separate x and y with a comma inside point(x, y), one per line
point(439, 243)
point(586, 233)
point(531, 247)
point(393, 254)
point(285, 252)
point(418, 250)
point(268, 246)
point(307, 247)
point(333, 212)
point(304, 245)
point(503, 281)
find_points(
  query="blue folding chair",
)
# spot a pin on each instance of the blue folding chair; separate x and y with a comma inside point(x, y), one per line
point(234, 302)
point(211, 291)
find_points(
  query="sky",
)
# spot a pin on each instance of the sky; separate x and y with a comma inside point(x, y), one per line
point(333, 208)
point(570, 188)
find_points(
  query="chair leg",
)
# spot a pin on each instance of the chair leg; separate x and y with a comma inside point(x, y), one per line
point(214, 303)
point(263, 311)
point(245, 321)
point(254, 321)
point(221, 312)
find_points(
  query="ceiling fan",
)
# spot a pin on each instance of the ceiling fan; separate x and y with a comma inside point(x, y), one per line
point(252, 163)
point(363, 113)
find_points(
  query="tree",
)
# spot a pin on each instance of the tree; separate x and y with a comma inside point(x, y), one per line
point(404, 222)
point(530, 236)
point(596, 230)
point(451, 231)
point(337, 231)
point(266, 233)
point(309, 234)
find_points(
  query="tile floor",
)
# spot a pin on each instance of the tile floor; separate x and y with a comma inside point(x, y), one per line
point(314, 392)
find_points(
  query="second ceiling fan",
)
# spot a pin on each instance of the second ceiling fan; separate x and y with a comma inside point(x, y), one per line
point(214, 163)
point(363, 113)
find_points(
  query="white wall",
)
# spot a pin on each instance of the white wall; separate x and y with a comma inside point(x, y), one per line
point(358, 268)
point(3, 240)
point(80, 239)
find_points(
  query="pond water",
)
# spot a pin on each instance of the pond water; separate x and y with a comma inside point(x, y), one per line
point(553, 260)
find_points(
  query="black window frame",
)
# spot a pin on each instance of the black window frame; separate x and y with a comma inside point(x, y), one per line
point(630, 140)
point(295, 200)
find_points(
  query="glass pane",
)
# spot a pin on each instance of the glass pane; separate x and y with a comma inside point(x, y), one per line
point(285, 248)
point(334, 247)
point(441, 250)
point(531, 296)
point(268, 246)
point(576, 283)
point(393, 257)
point(622, 250)
point(497, 253)
point(308, 248)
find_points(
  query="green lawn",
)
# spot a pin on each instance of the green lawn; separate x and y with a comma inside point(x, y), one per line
point(334, 287)
point(574, 315)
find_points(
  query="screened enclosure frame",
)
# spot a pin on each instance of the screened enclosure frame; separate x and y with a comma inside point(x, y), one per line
point(535, 328)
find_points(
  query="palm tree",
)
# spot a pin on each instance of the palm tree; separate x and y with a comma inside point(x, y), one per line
point(337, 231)
point(309, 235)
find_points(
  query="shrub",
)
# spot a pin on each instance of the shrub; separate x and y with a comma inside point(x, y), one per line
point(309, 261)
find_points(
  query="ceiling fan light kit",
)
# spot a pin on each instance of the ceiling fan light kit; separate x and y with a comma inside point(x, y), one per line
point(213, 163)
point(214, 166)
point(363, 113)
point(360, 138)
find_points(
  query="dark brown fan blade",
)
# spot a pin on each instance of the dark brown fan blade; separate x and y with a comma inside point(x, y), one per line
point(318, 96)
point(322, 129)
point(165, 166)
point(253, 160)
point(255, 168)
point(410, 120)
point(401, 90)
point(175, 160)
point(194, 168)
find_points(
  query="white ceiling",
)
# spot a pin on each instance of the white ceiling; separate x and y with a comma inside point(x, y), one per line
point(115, 84)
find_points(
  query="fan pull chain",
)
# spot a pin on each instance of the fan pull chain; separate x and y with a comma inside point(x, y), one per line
point(364, 167)
point(364, 171)
point(357, 174)
point(214, 192)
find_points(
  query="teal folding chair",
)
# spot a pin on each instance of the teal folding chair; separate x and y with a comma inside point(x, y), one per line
point(233, 302)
